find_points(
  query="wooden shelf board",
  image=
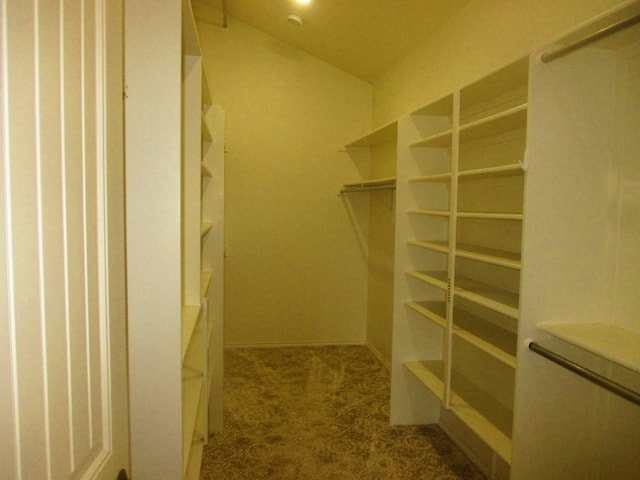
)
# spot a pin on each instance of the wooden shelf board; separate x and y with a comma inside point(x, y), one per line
point(494, 298)
point(436, 279)
point(191, 397)
point(438, 177)
point(384, 134)
point(190, 315)
point(501, 344)
point(471, 405)
point(495, 84)
point(514, 118)
point(430, 373)
point(206, 132)
point(610, 342)
point(205, 281)
point(205, 227)
point(489, 255)
point(194, 462)
point(433, 213)
point(438, 140)
point(489, 172)
point(434, 311)
point(441, 246)
point(492, 436)
point(205, 171)
point(442, 107)
point(491, 215)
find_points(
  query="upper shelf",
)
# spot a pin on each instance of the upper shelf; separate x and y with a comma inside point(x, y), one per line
point(385, 134)
point(607, 341)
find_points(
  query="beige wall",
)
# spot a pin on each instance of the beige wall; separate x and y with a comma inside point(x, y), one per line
point(295, 269)
point(484, 36)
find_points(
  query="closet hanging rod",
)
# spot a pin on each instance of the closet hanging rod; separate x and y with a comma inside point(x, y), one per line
point(345, 191)
point(602, 33)
point(610, 385)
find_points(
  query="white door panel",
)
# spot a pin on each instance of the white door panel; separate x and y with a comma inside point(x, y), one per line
point(63, 331)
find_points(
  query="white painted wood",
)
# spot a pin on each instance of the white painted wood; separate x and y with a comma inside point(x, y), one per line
point(154, 198)
point(213, 261)
point(64, 360)
point(580, 222)
point(175, 220)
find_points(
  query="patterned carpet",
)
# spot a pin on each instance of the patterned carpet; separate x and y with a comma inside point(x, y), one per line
point(320, 413)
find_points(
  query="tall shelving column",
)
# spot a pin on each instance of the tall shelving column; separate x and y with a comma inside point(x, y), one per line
point(486, 284)
point(460, 209)
point(169, 288)
point(422, 263)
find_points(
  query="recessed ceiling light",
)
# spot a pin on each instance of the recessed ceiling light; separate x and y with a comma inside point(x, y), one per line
point(303, 2)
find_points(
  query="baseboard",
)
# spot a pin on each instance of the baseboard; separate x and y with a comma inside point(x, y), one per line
point(379, 356)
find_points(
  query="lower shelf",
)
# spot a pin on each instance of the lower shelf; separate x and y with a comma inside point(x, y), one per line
point(191, 396)
point(431, 374)
point(483, 415)
point(194, 463)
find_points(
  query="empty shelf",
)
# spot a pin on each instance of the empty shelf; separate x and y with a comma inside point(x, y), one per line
point(494, 298)
point(205, 281)
point(385, 134)
point(505, 121)
point(430, 373)
point(205, 227)
point(491, 215)
point(489, 255)
point(437, 279)
point(193, 464)
point(607, 341)
point(501, 344)
point(190, 317)
point(441, 246)
point(191, 396)
point(434, 213)
point(434, 311)
point(438, 140)
point(489, 172)
point(438, 177)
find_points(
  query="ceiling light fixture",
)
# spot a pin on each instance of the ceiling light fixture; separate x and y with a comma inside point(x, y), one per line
point(304, 2)
point(294, 20)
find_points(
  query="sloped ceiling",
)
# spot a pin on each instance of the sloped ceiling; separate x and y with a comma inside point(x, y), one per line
point(363, 37)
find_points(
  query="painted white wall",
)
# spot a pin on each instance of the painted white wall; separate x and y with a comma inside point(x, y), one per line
point(484, 36)
point(295, 268)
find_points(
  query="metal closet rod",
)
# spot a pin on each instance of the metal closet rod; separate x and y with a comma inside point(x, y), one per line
point(604, 32)
point(345, 191)
point(604, 382)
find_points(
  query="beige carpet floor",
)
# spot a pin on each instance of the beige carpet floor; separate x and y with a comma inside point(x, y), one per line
point(320, 413)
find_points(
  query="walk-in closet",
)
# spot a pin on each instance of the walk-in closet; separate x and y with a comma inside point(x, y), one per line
point(320, 239)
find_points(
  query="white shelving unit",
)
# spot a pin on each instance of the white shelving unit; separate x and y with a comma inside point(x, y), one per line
point(175, 155)
point(517, 220)
point(459, 221)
